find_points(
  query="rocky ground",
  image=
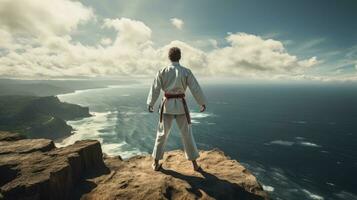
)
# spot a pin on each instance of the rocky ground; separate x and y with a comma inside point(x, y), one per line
point(36, 169)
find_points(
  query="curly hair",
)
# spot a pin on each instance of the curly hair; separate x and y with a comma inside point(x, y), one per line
point(174, 54)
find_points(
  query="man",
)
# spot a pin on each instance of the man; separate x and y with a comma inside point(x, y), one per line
point(173, 80)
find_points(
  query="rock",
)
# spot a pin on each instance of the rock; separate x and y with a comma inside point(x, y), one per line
point(35, 169)
point(26, 146)
point(46, 172)
point(220, 178)
point(8, 136)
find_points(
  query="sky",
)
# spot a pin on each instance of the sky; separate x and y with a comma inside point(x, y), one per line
point(241, 39)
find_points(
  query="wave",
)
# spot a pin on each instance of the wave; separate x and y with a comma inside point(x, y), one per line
point(196, 116)
point(281, 185)
point(268, 188)
point(299, 122)
point(313, 196)
point(291, 143)
point(90, 128)
point(113, 149)
point(100, 125)
point(76, 92)
point(309, 144)
point(281, 142)
point(346, 195)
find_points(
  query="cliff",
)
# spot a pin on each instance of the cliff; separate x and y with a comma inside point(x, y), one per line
point(38, 117)
point(36, 169)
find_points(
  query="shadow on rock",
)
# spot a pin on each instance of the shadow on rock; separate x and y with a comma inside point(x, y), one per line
point(87, 185)
point(212, 186)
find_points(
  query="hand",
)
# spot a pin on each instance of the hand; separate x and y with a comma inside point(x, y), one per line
point(150, 109)
point(203, 108)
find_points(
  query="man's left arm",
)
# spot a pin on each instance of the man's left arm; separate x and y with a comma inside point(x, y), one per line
point(196, 91)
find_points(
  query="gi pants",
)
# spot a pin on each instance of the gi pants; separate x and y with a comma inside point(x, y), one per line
point(163, 130)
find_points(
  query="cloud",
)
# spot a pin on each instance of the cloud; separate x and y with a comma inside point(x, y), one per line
point(129, 31)
point(213, 42)
point(39, 18)
point(193, 58)
point(310, 62)
point(178, 23)
point(249, 54)
point(36, 41)
point(309, 45)
point(205, 43)
point(106, 41)
point(5, 39)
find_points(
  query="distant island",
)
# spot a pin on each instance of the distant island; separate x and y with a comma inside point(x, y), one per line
point(38, 117)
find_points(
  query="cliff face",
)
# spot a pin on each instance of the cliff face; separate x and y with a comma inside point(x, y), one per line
point(35, 169)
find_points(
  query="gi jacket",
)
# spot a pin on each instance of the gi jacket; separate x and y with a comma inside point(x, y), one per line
point(174, 79)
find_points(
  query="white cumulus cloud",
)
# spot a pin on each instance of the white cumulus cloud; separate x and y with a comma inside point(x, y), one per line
point(36, 41)
point(42, 18)
point(178, 23)
point(253, 55)
point(106, 41)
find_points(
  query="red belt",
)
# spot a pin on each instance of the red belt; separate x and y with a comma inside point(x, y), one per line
point(176, 96)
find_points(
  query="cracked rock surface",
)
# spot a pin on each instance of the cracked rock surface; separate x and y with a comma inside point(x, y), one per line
point(36, 169)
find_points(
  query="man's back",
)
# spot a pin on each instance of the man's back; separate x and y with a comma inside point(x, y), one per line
point(174, 79)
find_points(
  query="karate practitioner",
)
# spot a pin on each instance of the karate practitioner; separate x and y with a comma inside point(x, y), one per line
point(173, 81)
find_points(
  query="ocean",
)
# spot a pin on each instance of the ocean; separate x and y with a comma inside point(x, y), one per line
point(299, 140)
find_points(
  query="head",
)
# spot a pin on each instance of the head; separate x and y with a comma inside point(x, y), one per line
point(174, 54)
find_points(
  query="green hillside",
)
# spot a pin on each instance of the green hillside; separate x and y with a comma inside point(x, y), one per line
point(38, 117)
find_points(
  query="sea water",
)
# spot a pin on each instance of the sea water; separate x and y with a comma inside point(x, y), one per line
point(299, 140)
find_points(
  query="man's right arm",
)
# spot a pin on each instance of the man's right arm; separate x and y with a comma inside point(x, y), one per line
point(154, 92)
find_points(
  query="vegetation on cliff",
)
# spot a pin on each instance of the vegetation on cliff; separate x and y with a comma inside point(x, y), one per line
point(38, 117)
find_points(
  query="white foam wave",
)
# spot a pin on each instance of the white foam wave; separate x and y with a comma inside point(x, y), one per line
point(312, 195)
point(290, 143)
point(76, 92)
point(268, 188)
point(309, 144)
point(135, 85)
point(330, 184)
point(299, 122)
point(113, 149)
point(89, 128)
point(196, 116)
point(96, 127)
point(281, 142)
point(346, 195)
point(199, 115)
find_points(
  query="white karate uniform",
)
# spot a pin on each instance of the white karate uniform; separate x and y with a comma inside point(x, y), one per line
point(174, 79)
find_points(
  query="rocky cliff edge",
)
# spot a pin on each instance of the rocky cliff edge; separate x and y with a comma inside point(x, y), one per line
point(36, 169)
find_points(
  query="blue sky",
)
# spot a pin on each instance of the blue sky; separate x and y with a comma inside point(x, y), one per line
point(300, 21)
point(321, 34)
